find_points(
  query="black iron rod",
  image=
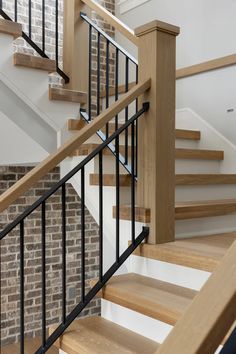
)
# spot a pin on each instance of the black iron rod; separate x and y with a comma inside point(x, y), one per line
point(0, 4)
point(58, 185)
point(63, 202)
point(15, 8)
point(136, 130)
point(90, 75)
point(230, 345)
point(117, 143)
point(43, 275)
point(30, 19)
point(126, 109)
point(100, 215)
point(93, 292)
point(43, 25)
point(56, 32)
point(82, 235)
point(22, 281)
point(117, 85)
point(107, 82)
point(133, 181)
point(106, 36)
point(98, 72)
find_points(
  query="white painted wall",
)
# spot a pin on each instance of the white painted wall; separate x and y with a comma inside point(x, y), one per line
point(207, 31)
point(16, 147)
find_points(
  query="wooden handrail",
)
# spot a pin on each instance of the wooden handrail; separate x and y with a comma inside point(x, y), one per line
point(73, 143)
point(112, 20)
point(208, 319)
point(209, 65)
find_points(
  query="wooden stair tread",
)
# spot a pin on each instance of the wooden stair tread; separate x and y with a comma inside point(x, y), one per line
point(109, 180)
point(154, 298)
point(86, 149)
point(95, 335)
point(33, 62)
point(203, 252)
point(73, 124)
point(198, 209)
point(31, 345)
point(9, 27)
point(141, 214)
point(180, 179)
point(61, 94)
point(205, 179)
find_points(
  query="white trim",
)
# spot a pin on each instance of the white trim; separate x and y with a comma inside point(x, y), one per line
point(127, 5)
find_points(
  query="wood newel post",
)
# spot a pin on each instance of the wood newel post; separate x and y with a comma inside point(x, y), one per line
point(156, 164)
point(75, 45)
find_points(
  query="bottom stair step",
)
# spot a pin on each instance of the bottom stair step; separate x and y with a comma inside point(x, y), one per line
point(154, 298)
point(95, 335)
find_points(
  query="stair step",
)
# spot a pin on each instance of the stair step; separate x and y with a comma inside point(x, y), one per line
point(95, 335)
point(12, 28)
point(73, 124)
point(31, 346)
point(154, 298)
point(61, 94)
point(33, 62)
point(180, 179)
point(183, 210)
point(189, 154)
point(203, 253)
point(109, 180)
point(205, 179)
point(200, 209)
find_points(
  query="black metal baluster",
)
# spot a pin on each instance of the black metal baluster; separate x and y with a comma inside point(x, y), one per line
point(136, 130)
point(0, 4)
point(90, 75)
point(43, 25)
point(56, 33)
point(107, 83)
point(100, 215)
point(43, 260)
point(63, 202)
point(30, 19)
point(117, 84)
point(82, 236)
point(132, 183)
point(16, 15)
point(98, 73)
point(22, 298)
point(117, 200)
point(126, 110)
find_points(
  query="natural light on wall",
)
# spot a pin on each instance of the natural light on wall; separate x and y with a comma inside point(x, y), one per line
point(126, 5)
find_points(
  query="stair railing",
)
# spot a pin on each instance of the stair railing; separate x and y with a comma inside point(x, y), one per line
point(28, 35)
point(104, 275)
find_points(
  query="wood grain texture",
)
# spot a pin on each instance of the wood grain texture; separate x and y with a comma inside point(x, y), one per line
point(160, 300)
point(200, 209)
point(112, 20)
point(72, 144)
point(207, 320)
point(75, 124)
point(204, 179)
point(156, 157)
point(198, 154)
point(86, 149)
point(97, 335)
point(61, 94)
point(31, 345)
point(141, 214)
point(209, 65)
point(109, 180)
point(12, 28)
point(204, 252)
point(187, 134)
point(33, 62)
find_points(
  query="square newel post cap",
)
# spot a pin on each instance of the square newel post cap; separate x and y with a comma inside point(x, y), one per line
point(157, 26)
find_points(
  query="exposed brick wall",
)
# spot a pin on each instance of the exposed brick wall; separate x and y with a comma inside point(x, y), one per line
point(10, 256)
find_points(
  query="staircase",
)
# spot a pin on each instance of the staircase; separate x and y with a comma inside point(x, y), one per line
point(148, 283)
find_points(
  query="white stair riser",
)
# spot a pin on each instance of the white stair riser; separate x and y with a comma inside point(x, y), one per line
point(205, 226)
point(209, 192)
